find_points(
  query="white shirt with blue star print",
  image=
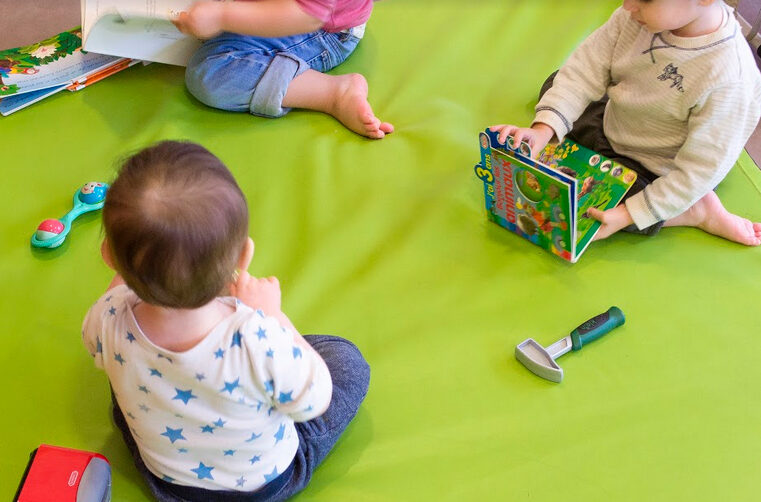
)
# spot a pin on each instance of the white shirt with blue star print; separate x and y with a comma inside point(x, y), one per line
point(219, 415)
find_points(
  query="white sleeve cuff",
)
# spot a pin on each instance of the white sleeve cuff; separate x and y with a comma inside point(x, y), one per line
point(640, 211)
point(554, 119)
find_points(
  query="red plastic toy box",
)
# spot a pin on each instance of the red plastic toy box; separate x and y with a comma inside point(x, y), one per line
point(56, 474)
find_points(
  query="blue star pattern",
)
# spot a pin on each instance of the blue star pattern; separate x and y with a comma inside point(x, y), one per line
point(279, 434)
point(230, 386)
point(253, 437)
point(203, 471)
point(236, 339)
point(112, 311)
point(269, 477)
point(206, 442)
point(173, 434)
point(184, 395)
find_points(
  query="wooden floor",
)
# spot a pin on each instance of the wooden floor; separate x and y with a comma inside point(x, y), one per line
point(44, 18)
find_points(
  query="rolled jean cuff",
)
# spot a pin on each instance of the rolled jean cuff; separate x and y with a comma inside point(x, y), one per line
point(267, 98)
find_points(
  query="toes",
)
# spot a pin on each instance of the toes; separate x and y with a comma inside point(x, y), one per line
point(387, 128)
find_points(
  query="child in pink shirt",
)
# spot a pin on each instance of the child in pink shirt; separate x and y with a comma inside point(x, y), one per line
point(268, 56)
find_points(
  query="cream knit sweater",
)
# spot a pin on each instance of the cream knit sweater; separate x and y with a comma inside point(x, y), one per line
point(683, 107)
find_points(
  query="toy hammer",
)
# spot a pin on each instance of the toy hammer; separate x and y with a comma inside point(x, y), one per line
point(541, 361)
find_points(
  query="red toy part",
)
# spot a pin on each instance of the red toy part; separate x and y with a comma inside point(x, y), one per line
point(53, 226)
point(65, 475)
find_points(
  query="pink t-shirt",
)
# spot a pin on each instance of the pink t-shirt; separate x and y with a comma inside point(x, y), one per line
point(338, 15)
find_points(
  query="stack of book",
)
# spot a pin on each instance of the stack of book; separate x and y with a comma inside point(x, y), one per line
point(34, 72)
point(115, 34)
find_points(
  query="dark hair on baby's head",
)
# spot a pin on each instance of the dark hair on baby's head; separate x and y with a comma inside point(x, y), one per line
point(176, 223)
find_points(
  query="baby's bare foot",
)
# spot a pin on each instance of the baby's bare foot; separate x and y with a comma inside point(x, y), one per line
point(710, 215)
point(353, 110)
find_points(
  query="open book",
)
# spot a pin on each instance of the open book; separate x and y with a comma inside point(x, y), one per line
point(545, 200)
point(138, 29)
point(34, 72)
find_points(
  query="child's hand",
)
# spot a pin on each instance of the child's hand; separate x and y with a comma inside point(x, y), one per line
point(202, 20)
point(263, 294)
point(537, 136)
point(612, 220)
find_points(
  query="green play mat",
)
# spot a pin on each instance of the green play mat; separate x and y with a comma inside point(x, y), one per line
point(387, 243)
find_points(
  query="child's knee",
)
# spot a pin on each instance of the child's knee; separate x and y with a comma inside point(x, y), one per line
point(347, 365)
point(201, 83)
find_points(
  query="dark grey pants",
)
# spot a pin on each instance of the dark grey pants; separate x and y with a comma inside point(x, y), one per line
point(588, 131)
point(351, 377)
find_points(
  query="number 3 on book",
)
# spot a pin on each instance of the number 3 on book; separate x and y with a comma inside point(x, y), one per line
point(484, 174)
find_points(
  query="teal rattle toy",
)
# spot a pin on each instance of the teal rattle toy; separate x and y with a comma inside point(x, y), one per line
point(51, 233)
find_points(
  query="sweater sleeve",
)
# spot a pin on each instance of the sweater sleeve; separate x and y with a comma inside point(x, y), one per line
point(583, 78)
point(717, 130)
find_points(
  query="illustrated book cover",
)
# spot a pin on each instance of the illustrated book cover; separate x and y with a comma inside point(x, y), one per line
point(34, 72)
point(545, 200)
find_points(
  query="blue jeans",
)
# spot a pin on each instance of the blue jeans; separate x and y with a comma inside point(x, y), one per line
point(245, 73)
point(351, 377)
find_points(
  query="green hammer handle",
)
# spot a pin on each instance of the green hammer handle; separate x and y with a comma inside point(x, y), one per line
point(596, 327)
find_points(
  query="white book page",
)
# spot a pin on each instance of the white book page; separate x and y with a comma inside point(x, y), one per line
point(138, 29)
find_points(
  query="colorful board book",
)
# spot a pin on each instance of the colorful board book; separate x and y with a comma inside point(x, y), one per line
point(34, 72)
point(545, 200)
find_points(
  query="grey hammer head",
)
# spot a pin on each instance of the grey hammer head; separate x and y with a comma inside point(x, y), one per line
point(536, 358)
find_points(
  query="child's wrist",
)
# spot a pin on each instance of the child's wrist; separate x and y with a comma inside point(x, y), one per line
point(544, 129)
point(219, 15)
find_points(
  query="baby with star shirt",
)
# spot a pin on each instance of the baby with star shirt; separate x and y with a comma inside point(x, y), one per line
point(217, 395)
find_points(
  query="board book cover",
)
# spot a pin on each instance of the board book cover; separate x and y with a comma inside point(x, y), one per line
point(545, 200)
point(34, 72)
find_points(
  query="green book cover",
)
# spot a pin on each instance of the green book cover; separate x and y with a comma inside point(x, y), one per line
point(545, 200)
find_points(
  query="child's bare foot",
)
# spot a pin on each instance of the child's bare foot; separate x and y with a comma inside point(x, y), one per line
point(342, 96)
point(353, 110)
point(710, 215)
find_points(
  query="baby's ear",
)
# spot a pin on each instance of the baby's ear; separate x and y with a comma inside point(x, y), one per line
point(246, 254)
point(105, 252)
